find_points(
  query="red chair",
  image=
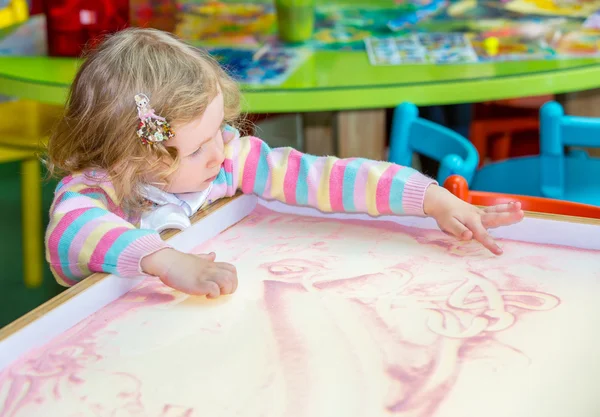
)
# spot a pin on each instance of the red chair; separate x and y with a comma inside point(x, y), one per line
point(458, 186)
point(506, 128)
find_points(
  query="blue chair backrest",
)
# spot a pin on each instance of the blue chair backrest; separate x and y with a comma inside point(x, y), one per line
point(557, 131)
point(412, 134)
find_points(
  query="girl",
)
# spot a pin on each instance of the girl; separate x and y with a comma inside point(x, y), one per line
point(149, 132)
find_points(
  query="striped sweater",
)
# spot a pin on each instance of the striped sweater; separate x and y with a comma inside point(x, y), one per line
point(88, 231)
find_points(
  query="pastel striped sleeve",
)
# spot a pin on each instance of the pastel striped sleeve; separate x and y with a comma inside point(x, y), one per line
point(327, 183)
point(86, 235)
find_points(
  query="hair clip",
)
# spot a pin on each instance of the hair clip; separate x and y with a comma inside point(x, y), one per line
point(152, 128)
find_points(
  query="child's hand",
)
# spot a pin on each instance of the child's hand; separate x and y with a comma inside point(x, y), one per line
point(465, 221)
point(192, 274)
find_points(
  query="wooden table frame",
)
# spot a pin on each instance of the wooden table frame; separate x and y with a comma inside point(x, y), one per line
point(77, 289)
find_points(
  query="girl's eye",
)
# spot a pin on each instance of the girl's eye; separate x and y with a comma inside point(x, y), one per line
point(196, 152)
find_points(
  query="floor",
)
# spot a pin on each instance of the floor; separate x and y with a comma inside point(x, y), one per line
point(15, 299)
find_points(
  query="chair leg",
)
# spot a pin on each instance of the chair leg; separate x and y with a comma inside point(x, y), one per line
point(501, 147)
point(31, 192)
point(479, 139)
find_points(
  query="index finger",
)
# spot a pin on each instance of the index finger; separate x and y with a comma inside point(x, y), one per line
point(482, 236)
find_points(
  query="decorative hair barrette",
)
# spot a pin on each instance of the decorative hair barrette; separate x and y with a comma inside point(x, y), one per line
point(152, 128)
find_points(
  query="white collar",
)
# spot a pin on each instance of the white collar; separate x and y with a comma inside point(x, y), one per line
point(171, 211)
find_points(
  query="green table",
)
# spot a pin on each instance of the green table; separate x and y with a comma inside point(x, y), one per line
point(345, 82)
point(331, 81)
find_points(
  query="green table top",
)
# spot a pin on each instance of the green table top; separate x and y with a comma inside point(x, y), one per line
point(333, 80)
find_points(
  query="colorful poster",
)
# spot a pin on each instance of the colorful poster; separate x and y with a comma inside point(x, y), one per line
point(424, 48)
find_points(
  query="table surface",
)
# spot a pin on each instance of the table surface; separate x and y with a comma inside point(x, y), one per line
point(539, 301)
point(336, 80)
point(345, 80)
point(72, 292)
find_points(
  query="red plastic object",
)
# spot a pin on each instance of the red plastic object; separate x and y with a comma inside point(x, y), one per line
point(495, 139)
point(506, 128)
point(458, 186)
point(37, 7)
point(158, 14)
point(73, 25)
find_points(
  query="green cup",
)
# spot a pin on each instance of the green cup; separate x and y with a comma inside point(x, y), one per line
point(295, 20)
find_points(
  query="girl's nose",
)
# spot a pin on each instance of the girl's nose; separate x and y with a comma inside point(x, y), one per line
point(216, 156)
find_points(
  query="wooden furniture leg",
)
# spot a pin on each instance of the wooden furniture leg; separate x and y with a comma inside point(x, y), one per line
point(361, 133)
point(319, 133)
point(582, 103)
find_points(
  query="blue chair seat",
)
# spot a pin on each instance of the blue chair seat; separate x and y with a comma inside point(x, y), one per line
point(523, 176)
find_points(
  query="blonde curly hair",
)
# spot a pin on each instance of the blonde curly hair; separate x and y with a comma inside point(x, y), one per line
point(98, 129)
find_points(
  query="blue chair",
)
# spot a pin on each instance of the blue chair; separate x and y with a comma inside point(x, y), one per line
point(555, 173)
point(412, 134)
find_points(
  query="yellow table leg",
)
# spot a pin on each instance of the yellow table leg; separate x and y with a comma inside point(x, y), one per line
point(31, 192)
